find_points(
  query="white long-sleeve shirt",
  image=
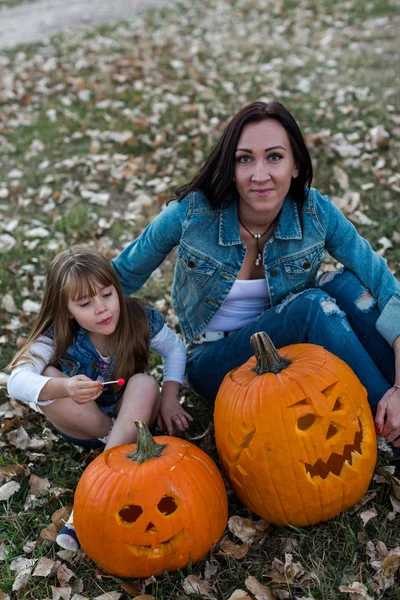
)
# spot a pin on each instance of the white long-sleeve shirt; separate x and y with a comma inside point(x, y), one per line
point(26, 381)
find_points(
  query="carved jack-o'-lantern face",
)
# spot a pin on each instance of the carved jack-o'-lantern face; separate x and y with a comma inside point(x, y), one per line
point(152, 538)
point(143, 509)
point(298, 446)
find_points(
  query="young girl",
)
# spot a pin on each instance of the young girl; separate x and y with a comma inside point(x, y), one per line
point(87, 333)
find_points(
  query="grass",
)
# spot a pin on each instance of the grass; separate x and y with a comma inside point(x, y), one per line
point(173, 78)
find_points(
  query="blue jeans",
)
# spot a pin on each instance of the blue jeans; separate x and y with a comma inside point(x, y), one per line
point(337, 313)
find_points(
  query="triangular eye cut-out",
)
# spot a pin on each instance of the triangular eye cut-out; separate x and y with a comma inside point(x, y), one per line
point(338, 405)
point(331, 431)
point(304, 402)
point(327, 391)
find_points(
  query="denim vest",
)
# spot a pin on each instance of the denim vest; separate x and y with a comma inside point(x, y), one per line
point(82, 358)
point(210, 253)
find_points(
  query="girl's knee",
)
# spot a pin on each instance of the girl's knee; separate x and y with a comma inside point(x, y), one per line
point(145, 382)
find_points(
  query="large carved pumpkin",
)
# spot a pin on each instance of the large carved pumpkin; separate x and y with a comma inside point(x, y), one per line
point(295, 433)
point(140, 509)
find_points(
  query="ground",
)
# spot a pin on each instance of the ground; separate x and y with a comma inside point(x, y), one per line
point(98, 127)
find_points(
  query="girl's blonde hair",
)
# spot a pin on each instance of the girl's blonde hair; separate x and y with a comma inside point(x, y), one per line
point(74, 274)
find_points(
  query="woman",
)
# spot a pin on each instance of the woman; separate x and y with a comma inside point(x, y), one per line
point(250, 237)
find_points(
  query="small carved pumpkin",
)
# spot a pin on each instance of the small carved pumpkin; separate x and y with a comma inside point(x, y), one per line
point(155, 506)
point(295, 433)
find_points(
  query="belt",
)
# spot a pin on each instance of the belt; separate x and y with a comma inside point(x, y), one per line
point(211, 336)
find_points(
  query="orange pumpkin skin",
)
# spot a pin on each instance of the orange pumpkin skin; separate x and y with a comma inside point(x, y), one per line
point(135, 520)
point(298, 447)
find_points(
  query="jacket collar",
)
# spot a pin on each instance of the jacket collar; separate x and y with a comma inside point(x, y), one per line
point(288, 227)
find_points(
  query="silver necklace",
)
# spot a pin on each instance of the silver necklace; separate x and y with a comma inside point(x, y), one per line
point(257, 237)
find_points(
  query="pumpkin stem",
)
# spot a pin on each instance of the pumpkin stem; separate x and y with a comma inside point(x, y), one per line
point(146, 447)
point(268, 359)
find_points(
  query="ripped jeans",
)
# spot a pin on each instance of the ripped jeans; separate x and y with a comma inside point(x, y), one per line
point(338, 313)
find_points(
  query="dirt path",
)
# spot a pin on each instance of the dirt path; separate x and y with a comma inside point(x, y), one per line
point(34, 21)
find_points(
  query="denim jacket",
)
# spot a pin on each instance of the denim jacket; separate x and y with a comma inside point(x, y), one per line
point(82, 358)
point(210, 254)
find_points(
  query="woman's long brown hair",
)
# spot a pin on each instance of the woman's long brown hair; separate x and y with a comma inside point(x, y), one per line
point(216, 177)
point(74, 274)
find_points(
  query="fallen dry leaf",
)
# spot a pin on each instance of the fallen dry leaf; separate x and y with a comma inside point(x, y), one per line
point(45, 567)
point(239, 595)
point(64, 575)
point(367, 515)
point(229, 548)
point(23, 568)
point(11, 471)
point(195, 585)
point(260, 591)
point(244, 529)
point(357, 591)
point(109, 596)
point(19, 438)
point(63, 593)
point(39, 486)
point(8, 489)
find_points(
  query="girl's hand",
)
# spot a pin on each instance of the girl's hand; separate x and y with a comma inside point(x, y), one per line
point(387, 418)
point(81, 389)
point(173, 415)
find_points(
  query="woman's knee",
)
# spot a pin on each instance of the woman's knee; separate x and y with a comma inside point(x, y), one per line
point(347, 289)
point(310, 302)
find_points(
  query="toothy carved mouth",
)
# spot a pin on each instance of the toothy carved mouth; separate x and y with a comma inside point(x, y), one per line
point(155, 552)
point(335, 462)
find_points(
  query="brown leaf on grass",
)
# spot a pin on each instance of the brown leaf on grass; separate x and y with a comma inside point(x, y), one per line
point(109, 596)
point(61, 592)
point(23, 568)
point(244, 529)
point(135, 588)
point(366, 498)
point(239, 595)
point(45, 567)
point(7, 473)
point(357, 591)
point(367, 515)
point(100, 574)
point(64, 575)
point(39, 486)
point(196, 585)
point(79, 597)
point(145, 597)
point(260, 591)
point(3, 596)
point(3, 551)
point(396, 487)
point(61, 516)
point(29, 547)
point(8, 489)
point(210, 570)
point(77, 586)
point(49, 533)
point(229, 548)
point(285, 572)
point(19, 438)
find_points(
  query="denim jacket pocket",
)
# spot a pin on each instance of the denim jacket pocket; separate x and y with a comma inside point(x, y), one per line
point(69, 366)
point(302, 268)
point(196, 268)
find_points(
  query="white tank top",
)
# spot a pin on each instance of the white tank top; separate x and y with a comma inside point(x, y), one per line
point(247, 299)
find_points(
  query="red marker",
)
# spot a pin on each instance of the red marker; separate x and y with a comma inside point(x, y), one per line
point(119, 381)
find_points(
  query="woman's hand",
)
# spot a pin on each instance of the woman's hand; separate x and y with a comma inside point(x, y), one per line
point(173, 415)
point(387, 418)
point(81, 389)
